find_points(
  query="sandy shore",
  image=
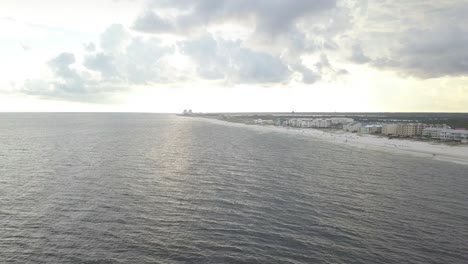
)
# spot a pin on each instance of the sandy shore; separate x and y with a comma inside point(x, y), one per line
point(442, 152)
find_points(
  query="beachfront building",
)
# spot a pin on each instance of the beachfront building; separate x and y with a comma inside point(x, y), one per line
point(264, 122)
point(446, 134)
point(309, 123)
point(296, 122)
point(408, 129)
point(432, 133)
point(341, 120)
point(389, 129)
point(416, 129)
point(187, 112)
point(323, 123)
point(411, 129)
point(371, 129)
point(281, 122)
point(352, 127)
point(293, 122)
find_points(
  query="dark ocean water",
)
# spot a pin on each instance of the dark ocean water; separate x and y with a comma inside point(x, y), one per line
point(141, 188)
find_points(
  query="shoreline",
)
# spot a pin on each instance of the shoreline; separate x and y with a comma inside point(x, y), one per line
point(439, 152)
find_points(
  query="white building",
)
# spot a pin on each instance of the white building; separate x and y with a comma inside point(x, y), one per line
point(352, 127)
point(408, 129)
point(341, 120)
point(389, 129)
point(324, 123)
point(432, 133)
point(317, 122)
point(446, 134)
point(371, 129)
point(292, 122)
point(309, 123)
point(264, 122)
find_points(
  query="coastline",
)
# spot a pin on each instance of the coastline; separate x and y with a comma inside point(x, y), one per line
point(439, 152)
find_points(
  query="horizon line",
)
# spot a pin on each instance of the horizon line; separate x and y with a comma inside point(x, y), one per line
point(240, 112)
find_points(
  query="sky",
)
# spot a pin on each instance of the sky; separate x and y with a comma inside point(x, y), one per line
point(234, 55)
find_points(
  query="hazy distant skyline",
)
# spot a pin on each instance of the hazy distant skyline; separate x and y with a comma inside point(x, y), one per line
point(234, 55)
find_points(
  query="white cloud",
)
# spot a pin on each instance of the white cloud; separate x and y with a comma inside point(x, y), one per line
point(93, 52)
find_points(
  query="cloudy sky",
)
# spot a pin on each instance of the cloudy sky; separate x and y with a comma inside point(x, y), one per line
point(234, 55)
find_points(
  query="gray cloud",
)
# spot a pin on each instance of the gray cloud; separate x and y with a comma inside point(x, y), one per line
point(143, 60)
point(150, 22)
point(427, 40)
point(95, 92)
point(430, 53)
point(138, 63)
point(284, 36)
point(103, 63)
point(211, 59)
point(258, 67)
point(61, 65)
point(308, 76)
point(357, 54)
point(270, 17)
point(89, 47)
point(136, 60)
point(284, 31)
point(69, 84)
point(271, 55)
point(221, 59)
point(114, 38)
point(321, 70)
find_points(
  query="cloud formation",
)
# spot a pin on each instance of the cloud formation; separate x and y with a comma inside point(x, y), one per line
point(264, 42)
point(121, 61)
point(426, 40)
point(271, 53)
point(69, 84)
point(221, 59)
point(430, 53)
point(114, 38)
point(268, 16)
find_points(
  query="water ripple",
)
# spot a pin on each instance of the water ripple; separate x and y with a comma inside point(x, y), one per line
point(136, 188)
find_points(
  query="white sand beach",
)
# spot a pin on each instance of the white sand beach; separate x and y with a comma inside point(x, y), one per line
point(437, 151)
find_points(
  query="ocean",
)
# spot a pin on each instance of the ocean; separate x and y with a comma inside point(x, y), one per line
point(151, 188)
